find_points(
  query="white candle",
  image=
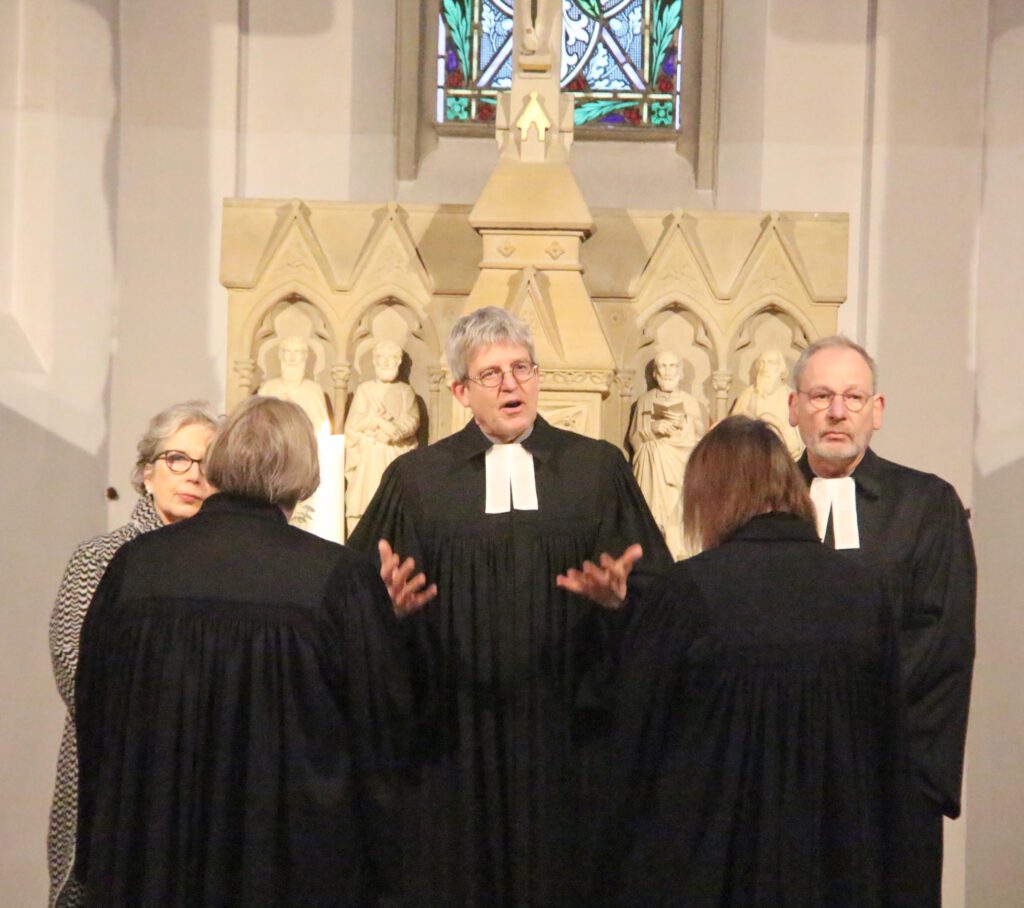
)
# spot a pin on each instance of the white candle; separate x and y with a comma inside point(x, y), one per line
point(328, 503)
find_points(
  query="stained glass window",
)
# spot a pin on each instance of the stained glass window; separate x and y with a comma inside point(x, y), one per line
point(620, 61)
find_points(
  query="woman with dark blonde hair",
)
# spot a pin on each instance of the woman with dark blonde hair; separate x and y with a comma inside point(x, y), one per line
point(759, 722)
point(241, 698)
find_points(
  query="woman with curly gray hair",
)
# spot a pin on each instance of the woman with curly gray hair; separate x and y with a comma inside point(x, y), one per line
point(169, 477)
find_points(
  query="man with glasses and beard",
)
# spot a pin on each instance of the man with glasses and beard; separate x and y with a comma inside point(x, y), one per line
point(911, 526)
point(513, 522)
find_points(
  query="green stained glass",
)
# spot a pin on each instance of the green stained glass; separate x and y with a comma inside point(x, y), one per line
point(620, 61)
point(457, 108)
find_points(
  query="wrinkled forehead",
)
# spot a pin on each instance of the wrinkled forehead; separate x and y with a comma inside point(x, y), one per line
point(484, 355)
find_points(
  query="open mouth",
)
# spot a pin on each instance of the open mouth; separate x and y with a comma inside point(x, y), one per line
point(511, 406)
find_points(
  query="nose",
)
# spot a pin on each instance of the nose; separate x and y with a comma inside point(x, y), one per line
point(508, 381)
point(837, 407)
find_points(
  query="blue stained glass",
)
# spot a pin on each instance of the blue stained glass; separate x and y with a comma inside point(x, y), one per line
point(617, 70)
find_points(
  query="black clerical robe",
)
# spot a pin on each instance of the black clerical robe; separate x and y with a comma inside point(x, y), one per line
point(241, 711)
point(512, 670)
point(759, 731)
point(914, 529)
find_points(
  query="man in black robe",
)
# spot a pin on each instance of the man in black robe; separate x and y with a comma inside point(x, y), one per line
point(911, 526)
point(514, 665)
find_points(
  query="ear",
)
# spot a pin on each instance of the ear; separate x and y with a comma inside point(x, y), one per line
point(793, 417)
point(460, 390)
point(147, 475)
point(876, 412)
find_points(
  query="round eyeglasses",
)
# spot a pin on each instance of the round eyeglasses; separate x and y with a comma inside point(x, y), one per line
point(522, 372)
point(821, 399)
point(178, 461)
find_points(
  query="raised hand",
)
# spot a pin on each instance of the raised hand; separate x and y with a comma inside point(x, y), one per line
point(408, 593)
point(604, 584)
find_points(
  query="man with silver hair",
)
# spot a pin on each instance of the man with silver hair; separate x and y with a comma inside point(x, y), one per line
point(911, 526)
point(511, 655)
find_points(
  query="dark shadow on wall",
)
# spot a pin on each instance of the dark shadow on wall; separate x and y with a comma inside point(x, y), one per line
point(53, 498)
point(994, 787)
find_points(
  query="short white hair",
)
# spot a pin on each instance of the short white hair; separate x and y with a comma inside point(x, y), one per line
point(482, 328)
point(828, 343)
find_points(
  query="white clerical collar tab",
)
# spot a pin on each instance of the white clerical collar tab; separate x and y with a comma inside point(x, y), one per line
point(838, 496)
point(510, 479)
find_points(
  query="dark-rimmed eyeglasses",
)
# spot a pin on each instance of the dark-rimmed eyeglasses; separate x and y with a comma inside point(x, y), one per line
point(522, 372)
point(821, 399)
point(178, 461)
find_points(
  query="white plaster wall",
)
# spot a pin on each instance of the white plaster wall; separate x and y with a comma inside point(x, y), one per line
point(57, 146)
point(816, 81)
point(923, 199)
point(995, 772)
point(178, 81)
point(318, 106)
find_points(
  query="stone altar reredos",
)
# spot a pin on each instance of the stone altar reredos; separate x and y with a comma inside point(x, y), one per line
point(718, 287)
point(601, 290)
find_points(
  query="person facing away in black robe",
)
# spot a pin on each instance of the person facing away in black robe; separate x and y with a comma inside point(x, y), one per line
point(910, 527)
point(513, 663)
point(242, 700)
point(759, 731)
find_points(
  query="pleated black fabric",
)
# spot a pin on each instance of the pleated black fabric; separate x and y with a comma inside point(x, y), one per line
point(242, 708)
point(513, 672)
point(760, 739)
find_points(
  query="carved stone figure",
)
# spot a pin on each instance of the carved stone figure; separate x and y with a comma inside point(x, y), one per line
point(293, 352)
point(768, 398)
point(666, 426)
point(381, 424)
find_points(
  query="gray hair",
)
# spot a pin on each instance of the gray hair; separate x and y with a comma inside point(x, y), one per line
point(483, 328)
point(163, 426)
point(266, 451)
point(828, 343)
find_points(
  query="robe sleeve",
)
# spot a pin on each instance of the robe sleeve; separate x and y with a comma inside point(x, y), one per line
point(95, 650)
point(389, 515)
point(362, 647)
point(652, 663)
point(937, 645)
point(627, 520)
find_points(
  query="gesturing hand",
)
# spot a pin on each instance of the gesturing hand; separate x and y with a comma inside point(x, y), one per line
point(605, 585)
point(407, 595)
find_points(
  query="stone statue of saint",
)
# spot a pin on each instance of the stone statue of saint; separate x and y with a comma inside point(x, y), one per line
point(294, 386)
point(768, 398)
point(381, 424)
point(666, 426)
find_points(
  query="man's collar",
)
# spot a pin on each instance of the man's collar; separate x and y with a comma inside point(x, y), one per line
point(471, 442)
point(865, 474)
